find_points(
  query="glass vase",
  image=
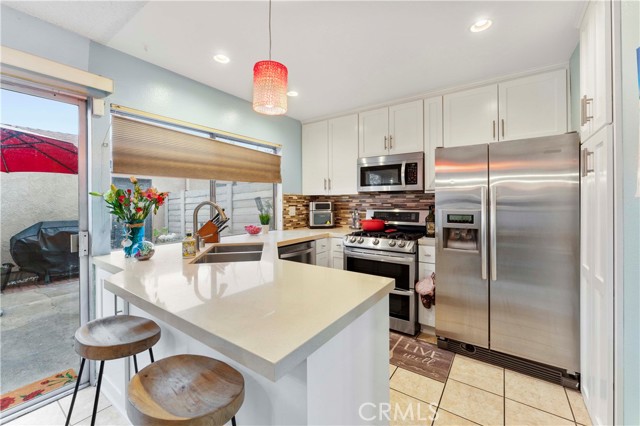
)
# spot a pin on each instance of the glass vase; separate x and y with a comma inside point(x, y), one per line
point(133, 236)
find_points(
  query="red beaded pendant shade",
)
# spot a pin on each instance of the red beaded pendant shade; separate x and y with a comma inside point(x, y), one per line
point(270, 88)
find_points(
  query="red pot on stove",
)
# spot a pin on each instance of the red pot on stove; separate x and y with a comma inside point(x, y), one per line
point(372, 224)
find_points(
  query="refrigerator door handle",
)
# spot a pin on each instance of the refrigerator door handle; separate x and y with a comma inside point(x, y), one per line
point(483, 231)
point(492, 230)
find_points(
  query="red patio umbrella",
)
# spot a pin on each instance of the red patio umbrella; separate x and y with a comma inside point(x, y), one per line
point(24, 151)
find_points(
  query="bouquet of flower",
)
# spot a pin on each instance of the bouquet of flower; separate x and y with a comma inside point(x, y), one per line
point(132, 206)
point(264, 209)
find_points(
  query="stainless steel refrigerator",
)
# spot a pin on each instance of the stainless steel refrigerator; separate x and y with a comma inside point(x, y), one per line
point(507, 241)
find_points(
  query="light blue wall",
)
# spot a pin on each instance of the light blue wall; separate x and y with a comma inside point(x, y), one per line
point(630, 36)
point(147, 87)
point(574, 84)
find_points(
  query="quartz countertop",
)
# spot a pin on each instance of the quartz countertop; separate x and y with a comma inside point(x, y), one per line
point(267, 315)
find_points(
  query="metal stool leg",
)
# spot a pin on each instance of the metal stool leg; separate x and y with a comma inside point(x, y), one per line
point(151, 355)
point(95, 403)
point(75, 392)
point(233, 421)
point(135, 364)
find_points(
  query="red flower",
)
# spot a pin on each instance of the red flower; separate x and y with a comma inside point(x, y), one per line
point(121, 199)
point(32, 395)
point(138, 209)
point(6, 402)
point(45, 382)
point(129, 191)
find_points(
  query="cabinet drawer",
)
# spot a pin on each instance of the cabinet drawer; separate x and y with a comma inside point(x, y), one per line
point(336, 245)
point(322, 245)
point(427, 254)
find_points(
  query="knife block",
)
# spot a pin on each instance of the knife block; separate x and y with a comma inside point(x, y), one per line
point(209, 233)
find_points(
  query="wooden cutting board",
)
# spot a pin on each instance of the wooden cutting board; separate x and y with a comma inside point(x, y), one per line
point(209, 232)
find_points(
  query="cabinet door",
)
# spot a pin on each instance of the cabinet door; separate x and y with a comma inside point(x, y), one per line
point(426, 316)
point(343, 155)
point(470, 117)
point(406, 128)
point(432, 139)
point(533, 106)
point(596, 276)
point(595, 68)
point(322, 259)
point(315, 158)
point(373, 129)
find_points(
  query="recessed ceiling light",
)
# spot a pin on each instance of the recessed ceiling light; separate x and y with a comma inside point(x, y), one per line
point(221, 58)
point(292, 93)
point(480, 25)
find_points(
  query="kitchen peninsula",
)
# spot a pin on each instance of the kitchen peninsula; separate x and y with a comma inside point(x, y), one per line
point(311, 342)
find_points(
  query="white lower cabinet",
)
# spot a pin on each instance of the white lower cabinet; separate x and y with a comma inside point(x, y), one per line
point(337, 253)
point(426, 317)
point(322, 252)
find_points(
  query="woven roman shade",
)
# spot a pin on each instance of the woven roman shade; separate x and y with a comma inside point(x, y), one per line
point(146, 149)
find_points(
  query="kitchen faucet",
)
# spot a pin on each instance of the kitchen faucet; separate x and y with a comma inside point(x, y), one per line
point(220, 211)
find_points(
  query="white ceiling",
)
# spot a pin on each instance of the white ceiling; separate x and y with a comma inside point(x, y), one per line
point(341, 55)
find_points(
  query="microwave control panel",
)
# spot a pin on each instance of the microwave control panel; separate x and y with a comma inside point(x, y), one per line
point(411, 174)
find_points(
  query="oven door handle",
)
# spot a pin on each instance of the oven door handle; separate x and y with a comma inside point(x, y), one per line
point(297, 253)
point(398, 292)
point(379, 258)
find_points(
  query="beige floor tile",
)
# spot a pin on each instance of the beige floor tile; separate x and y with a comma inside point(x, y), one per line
point(107, 417)
point(445, 418)
point(517, 414)
point(472, 403)
point(478, 374)
point(537, 393)
point(392, 369)
point(409, 411)
point(417, 386)
point(429, 338)
point(579, 409)
point(50, 414)
point(84, 404)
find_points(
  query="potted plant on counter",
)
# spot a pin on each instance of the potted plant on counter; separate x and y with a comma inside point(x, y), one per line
point(264, 209)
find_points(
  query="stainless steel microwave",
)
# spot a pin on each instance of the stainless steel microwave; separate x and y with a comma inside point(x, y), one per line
point(400, 172)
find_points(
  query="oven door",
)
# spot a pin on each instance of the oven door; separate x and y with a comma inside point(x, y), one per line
point(401, 267)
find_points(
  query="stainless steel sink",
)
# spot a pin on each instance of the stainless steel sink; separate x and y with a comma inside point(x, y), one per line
point(236, 248)
point(232, 253)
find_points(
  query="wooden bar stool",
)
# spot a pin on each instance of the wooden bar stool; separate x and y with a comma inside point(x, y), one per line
point(109, 338)
point(185, 390)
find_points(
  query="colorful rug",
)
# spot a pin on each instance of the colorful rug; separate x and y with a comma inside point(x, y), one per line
point(36, 389)
point(419, 357)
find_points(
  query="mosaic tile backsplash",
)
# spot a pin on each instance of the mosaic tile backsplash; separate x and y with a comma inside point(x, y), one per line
point(343, 205)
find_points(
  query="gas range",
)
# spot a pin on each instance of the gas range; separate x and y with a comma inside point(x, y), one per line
point(403, 229)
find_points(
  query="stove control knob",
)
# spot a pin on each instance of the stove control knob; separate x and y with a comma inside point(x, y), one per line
point(401, 244)
point(352, 239)
point(392, 243)
point(376, 242)
point(360, 240)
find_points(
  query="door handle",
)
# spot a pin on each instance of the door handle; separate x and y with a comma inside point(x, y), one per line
point(587, 102)
point(492, 216)
point(79, 243)
point(502, 125)
point(385, 142)
point(494, 129)
point(586, 154)
point(483, 231)
point(390, 141)
point(582, 112)
point(325, 184)
point(329, 184)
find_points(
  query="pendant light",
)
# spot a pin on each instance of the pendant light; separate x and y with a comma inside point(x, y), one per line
point(270, 84)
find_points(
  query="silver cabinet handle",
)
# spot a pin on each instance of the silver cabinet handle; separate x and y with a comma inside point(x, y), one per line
point(587, 102)
point(582, 110)
point(483, 231)
point(494, 129)
point(385, 142)
point(492, 243)
point(329, 184)
point(325, 184)
point(390, 141)
point(502, 124)
point(586, 154)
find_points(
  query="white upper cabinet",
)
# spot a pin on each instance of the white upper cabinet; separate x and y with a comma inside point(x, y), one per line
point(535, 106)
point(522, 108)
point(343, 155)
point(432, 139)
point(329, 156)
point(470, 117)
point(315, 158)
point(394, 130)
point(596, 106)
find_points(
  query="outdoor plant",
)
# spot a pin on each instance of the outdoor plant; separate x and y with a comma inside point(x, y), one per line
point(264, 209)
point(132, 206)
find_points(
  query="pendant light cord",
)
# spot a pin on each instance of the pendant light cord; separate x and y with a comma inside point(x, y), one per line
point(269, 29)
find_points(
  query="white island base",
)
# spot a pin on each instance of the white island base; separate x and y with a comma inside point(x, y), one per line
point(344, 382)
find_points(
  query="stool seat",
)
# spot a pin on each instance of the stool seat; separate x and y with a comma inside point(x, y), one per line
point(185, 390)
point(116, 337)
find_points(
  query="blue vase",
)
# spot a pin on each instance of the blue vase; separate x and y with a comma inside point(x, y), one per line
point(133, 236)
